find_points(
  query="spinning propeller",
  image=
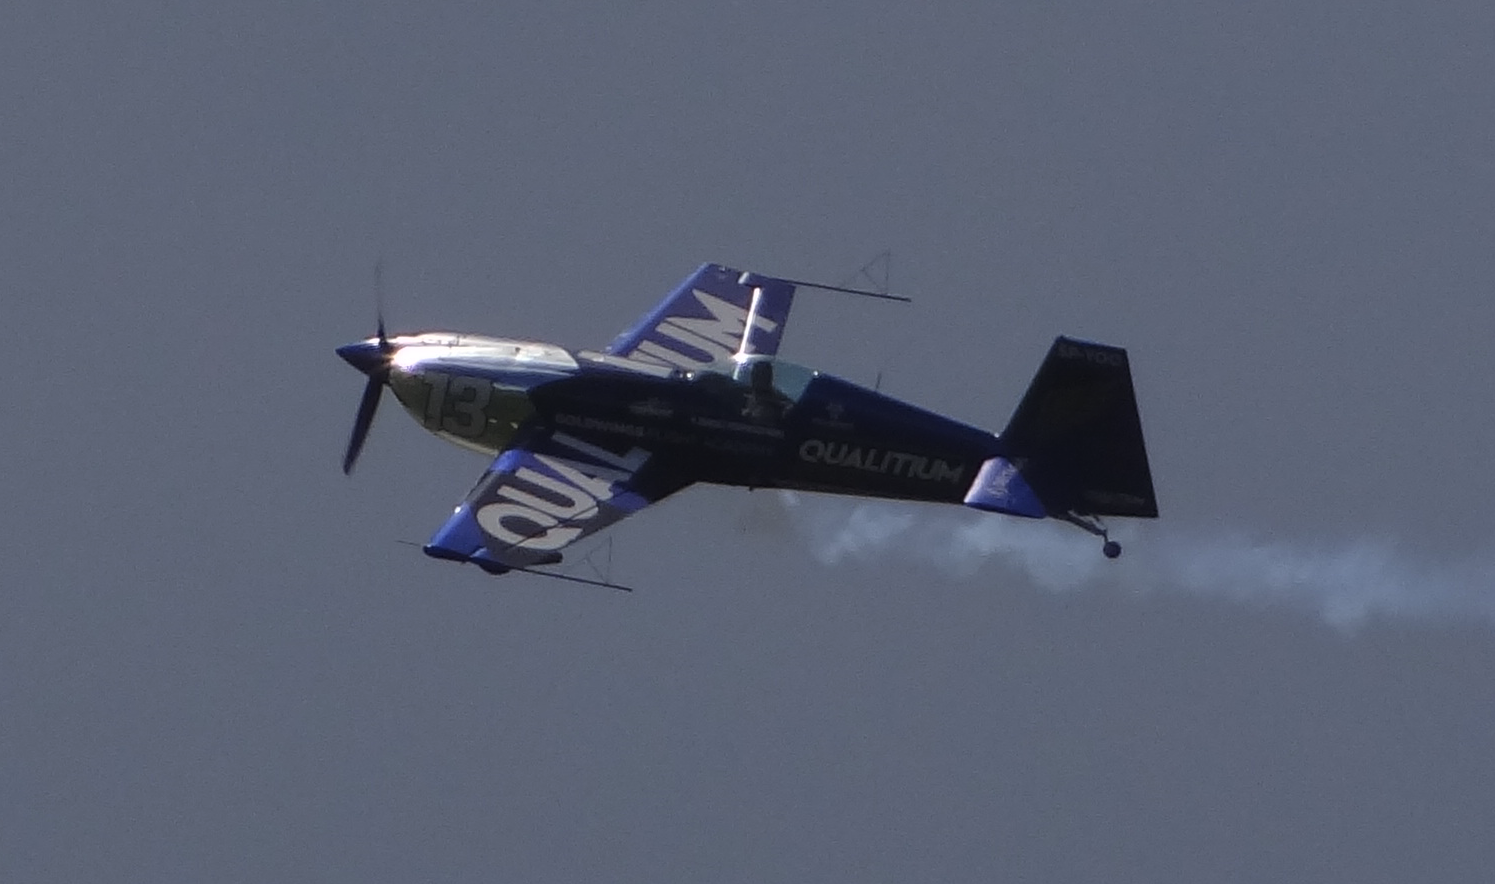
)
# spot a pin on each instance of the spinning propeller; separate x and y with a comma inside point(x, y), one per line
point(371, 357)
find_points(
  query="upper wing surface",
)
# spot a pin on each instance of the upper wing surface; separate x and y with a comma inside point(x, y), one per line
point(715, 313)
point(544, 495)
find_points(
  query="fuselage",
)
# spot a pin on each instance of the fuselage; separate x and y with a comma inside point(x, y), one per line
point(693, 392)
point(749, 421)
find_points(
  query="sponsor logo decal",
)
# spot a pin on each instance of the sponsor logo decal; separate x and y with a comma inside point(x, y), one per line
point(601, 425)
point(545, 509)
point(713, 423)
point(690, 342)
point(875, 460)
point(832, 418)
point(655, 407)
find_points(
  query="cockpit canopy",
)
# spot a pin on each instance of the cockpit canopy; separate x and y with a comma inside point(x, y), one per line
point(763, 375)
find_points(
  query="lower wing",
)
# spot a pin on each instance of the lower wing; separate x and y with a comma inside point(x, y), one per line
point(545, 494)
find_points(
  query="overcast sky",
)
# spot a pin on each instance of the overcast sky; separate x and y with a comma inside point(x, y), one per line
point(221, 664)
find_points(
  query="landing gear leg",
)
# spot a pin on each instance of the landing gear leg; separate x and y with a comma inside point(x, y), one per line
point(1110, 548)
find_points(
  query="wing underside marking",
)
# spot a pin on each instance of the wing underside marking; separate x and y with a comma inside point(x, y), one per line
point(545, 495)
point(714, 314)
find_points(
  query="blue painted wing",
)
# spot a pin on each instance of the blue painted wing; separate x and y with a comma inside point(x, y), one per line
point(544, 495)
point(706, 318)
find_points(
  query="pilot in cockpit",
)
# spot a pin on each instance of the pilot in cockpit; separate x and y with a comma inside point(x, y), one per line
point(765, 403)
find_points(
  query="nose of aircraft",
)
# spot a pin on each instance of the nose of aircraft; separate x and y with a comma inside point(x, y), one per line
point(364, 355)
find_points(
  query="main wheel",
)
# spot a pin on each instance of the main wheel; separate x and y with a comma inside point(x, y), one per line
point(1111, 549)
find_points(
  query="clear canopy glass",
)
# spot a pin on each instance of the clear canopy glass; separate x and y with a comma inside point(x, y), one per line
point(759, 374)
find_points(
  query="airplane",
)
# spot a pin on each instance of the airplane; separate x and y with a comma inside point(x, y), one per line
point(695, 392)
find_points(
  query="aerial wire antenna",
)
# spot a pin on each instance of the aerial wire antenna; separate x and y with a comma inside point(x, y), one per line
point(873, 274)
point(605, 578)
point(605, 572)
point(877, 273)
point(866, 293)
point(556, 575)
point(553, 575)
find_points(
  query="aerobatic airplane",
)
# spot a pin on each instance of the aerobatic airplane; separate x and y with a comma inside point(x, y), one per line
point(694, 392)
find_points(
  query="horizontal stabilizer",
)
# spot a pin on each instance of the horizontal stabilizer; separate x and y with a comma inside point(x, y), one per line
point(1001, 488)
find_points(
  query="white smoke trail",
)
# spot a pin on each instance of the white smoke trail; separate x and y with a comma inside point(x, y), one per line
point(1345, 585)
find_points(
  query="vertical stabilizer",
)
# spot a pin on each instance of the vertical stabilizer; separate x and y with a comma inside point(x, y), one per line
point(1076, 437)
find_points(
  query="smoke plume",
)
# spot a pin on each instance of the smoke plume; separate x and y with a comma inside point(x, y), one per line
point(1345, 584)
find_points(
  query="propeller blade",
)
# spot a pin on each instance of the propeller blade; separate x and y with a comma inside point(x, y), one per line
point(376, 367)
point(384, 344)
point(361, 424)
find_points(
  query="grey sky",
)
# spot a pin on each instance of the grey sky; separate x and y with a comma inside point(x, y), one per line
point(220, 665)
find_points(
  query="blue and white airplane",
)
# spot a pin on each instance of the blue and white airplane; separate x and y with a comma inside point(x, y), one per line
point(694, 392)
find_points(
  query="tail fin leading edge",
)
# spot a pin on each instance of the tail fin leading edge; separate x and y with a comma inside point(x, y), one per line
point(1076, 437)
